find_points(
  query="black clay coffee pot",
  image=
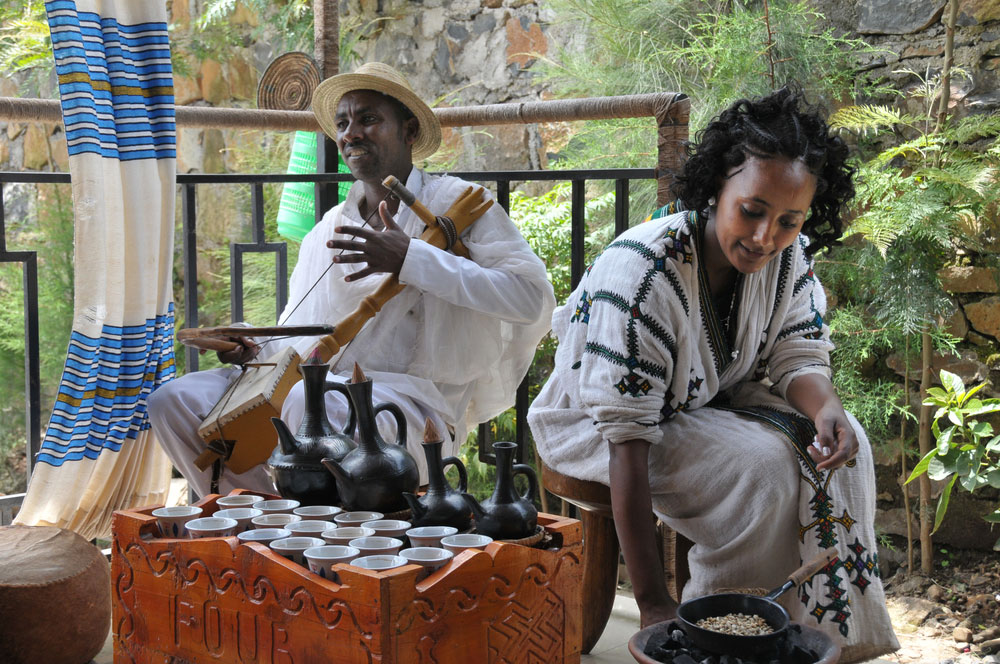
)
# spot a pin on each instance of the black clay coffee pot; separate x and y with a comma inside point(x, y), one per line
point(441, 505)
point(296, 465)
point(374, 475)
point(507, 514)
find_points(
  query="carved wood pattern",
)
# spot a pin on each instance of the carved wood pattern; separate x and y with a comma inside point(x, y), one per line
point(215, 600)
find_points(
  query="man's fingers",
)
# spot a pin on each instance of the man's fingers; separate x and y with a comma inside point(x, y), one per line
point(350, 258)
point(356, 231)
point(355, 245)
point(360, 274)
point(383, 212)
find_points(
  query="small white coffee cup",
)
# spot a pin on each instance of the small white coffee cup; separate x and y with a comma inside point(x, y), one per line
point(243, 516)
point(428, 557)
point(344, 534)
point(379, 562)
point(356, 518)
point(212, 526)
point(238, 500)
point(263, 535)
point(388, 527)
point(309, 528)
point(294, 548)
point(429, 535)
point(173, 520)
point(375, 545)
point(458, 543)
point(276, 506)
point(274, 520)
point(317, 512)
point(321, 559)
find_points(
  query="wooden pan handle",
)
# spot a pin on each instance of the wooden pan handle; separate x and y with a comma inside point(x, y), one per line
point(822, 559)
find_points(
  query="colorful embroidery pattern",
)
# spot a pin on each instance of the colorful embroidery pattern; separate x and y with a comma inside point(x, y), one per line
point(582, 313)
point(856, 565)
point(636, 381)
point(669, 411)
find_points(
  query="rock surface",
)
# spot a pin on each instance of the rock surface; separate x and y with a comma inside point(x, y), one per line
point(897, 17)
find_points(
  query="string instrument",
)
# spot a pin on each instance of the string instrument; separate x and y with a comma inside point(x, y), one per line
point(238, 430)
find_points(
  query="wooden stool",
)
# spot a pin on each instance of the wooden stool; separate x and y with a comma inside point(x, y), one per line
point(600, 550)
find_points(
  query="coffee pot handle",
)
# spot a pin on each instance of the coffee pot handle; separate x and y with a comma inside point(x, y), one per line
point(463, 477)
point(352, 417)
point(397, 412)
point(529, 472)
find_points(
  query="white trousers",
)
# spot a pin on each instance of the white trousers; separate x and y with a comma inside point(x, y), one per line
point(177, 410)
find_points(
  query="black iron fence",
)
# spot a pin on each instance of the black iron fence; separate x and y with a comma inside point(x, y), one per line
point(188, 184)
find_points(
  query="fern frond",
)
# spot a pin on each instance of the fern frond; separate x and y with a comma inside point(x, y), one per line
point(216, 11)
point(867, 118)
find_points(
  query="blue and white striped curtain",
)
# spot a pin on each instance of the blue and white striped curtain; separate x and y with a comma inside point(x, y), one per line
point(115, 81)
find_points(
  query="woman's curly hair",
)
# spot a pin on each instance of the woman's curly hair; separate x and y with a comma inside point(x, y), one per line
point(768, 127)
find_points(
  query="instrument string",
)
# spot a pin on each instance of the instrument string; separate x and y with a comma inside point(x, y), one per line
point(233, 386)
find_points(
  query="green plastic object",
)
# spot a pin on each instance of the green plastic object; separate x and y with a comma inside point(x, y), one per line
point(297, 210)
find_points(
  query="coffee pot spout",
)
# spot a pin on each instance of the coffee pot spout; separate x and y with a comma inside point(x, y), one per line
point(341, 475)
point(416, 506)
point(286, 440)
point(477, 510)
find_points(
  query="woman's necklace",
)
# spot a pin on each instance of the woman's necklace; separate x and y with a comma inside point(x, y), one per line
point(725, 321)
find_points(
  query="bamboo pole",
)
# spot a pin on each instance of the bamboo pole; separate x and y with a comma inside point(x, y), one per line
point(669, 108)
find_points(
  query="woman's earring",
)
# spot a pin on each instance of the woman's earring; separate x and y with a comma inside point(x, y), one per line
point(711, 202)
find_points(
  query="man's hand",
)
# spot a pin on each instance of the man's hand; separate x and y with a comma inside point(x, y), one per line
point(245, 352)
point(382, 251)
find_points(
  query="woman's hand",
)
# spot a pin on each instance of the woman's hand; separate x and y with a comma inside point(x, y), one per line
point(657, 613)
point(382, 251)
point(835, 442)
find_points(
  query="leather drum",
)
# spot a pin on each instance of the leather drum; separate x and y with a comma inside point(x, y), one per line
point(55, 596)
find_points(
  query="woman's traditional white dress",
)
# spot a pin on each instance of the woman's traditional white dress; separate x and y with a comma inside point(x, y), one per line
point(643, 355)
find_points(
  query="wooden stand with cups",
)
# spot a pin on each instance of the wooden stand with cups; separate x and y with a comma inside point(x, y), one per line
point(360, 585)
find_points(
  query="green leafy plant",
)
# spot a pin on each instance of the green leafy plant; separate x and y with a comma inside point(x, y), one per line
point(25, 45)
point(967, 451)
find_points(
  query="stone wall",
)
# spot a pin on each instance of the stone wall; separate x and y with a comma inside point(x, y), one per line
point(461, 53)
point(912, 37)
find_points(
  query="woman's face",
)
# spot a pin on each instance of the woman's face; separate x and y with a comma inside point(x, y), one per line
point(760, 210)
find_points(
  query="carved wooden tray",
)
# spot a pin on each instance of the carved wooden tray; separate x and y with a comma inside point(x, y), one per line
point(216, 600)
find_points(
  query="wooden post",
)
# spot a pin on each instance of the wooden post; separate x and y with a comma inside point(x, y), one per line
point(326, 37)
point(672, 134)
point(326, 42)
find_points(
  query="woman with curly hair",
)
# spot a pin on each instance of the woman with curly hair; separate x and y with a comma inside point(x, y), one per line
point(692, 377)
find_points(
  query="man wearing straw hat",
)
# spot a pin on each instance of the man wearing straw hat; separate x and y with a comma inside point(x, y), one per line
point(452, 346)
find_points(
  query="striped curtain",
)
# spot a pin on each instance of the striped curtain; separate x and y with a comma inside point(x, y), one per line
point(116, 86)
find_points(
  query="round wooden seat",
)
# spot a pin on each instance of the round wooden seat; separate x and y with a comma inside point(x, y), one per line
point(55, 596)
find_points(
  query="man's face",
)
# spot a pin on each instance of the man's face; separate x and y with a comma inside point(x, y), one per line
point(372, 137)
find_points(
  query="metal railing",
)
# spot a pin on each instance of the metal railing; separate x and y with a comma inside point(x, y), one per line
point(188, 184)
point(669, 110)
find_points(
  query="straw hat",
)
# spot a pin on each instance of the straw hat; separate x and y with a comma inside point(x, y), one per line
point(381, 78)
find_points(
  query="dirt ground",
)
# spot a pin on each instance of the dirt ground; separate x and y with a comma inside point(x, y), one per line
point(951, 616)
